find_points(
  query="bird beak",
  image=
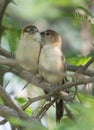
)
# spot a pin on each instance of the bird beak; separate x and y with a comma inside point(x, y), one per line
point(42, 33)
point(32, 31)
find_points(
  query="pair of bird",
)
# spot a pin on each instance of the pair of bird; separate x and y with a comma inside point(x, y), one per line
point(43, 50)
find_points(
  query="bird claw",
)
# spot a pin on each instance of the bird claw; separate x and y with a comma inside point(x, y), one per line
point(55, 86)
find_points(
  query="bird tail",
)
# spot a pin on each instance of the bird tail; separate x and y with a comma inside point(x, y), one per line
point(59, 110)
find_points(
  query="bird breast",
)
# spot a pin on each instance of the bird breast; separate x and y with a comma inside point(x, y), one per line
point(28, 53)
point(51, 60)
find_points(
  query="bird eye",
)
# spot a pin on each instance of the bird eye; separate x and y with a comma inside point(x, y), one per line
point(47, 33)
point(27, 30)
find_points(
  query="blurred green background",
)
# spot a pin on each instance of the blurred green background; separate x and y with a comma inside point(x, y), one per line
point(74, 21)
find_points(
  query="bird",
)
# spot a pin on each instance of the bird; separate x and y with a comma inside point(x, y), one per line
point(28, 51)
point(53, 61)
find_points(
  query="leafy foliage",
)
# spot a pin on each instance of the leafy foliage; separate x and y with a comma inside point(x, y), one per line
point(22, 101)
point(78, 60)
point(11, 33)
point(83, 112)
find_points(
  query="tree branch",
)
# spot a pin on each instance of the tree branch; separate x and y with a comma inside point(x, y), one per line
point(69, 113)
point(6, 53)
point(32, 100)
point(74, 83)
point(3, 6)
point(36, 81)
point(12, 110)
point(10, 114)
point(83, 68)
point(3, 122)
point(8, 102)
point(31, 78)
point(74, 68)
point(7, 112)
point(45, 108)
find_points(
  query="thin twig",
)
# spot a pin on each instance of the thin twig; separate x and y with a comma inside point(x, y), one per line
point(83, 68)
point(69, 113)
point(25, 86)
point(44, 109)
point(69, 85)
point(9, 102)
point(3, 122)
point(74, 68)
point(32, 100)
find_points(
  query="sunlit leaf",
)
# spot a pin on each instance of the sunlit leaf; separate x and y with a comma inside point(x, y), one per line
point(86, 99)
point(29, 111)
point(21, 100)
point(68, 2)
point(78, 60)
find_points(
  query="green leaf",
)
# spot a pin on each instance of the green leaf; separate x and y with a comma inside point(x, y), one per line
point(21, 100)
point(87, 99)
point(29, 111)
point(33, 125)
point(11, 33)
point(78, 60)
point(68, 2)
point(12, 37)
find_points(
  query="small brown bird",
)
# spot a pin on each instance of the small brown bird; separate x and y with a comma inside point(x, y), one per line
point(28, 50)
point(53, 61)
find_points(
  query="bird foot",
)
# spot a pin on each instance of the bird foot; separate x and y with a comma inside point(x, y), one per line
point(56, 85)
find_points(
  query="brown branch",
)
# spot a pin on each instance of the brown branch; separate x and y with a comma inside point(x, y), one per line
point(74, 83)
point(15, 112)
point(33, 79)
point(69, 113)
point(65, 96)
point(3, 6)
point(3, 122)
point(7, 112)
point(54, 92)
point(44, 109)
point(1, 77)
point(12, 110)
point(6, 53)
point(83, 68)
point(3, 70)
point(32, 100)
point(74, 68)
point(24, 74)
point(9, 62)
point(8, 102)
point(44, 85)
